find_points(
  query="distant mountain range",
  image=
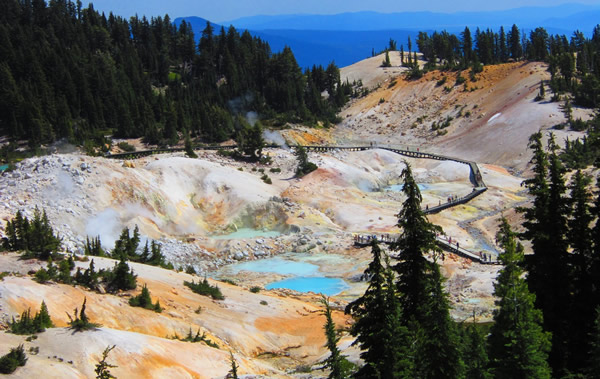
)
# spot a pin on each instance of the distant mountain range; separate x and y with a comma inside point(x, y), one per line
point(566, 16)
point(349, 37)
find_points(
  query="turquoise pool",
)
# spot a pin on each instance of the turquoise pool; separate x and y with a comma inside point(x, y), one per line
point(326, 286)
point(305, 276)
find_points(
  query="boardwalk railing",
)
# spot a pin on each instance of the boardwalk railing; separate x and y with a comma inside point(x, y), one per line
point(443, 242)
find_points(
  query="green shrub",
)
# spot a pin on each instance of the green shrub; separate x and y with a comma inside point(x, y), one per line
point(275, 169)
point(205, 289)
point(126, 147)
point(255, 289)
point(196, 338)
point(265, 178)
point(263, 302)
point(31, 325)
point(143, 300)
point(460, 79)
point(80, 322)
point(14, 359)
point(229, 281)
point(441, 82)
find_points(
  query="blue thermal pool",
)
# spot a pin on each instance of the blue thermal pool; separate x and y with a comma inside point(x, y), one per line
point(306, 276)
point(326, 286)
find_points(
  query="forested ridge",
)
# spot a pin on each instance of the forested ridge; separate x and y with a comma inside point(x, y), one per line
point(72, 72)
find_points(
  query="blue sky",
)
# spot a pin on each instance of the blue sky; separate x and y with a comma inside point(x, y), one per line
point(225, 10)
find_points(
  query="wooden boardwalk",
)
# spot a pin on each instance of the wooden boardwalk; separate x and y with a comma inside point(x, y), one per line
point(442, 241)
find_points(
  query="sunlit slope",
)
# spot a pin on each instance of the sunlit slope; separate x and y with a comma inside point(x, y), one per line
point(488, 119)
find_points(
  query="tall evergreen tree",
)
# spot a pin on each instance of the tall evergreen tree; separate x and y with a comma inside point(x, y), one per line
point(417, 238)
point(377, 316)
point(582, 310)
point(475, 354)
point(536, 217)
point(335, 361)
point(438, 354)
point(557, 270)
point(518, 345)
point(514, 43)
point(424, 304)
point(467, 46)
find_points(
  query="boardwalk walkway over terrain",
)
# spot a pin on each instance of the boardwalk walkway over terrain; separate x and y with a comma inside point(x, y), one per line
point(443, 242)
point(476, 179)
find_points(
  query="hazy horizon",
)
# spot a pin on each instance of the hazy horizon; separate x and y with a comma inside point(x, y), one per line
point(228, 10)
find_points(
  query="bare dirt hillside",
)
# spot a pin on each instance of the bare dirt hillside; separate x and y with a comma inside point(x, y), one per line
point(488, 119)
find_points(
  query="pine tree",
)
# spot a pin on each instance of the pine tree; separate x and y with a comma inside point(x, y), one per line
point(438, 354)
point(582, 310)
point(542, 94)
point(518, 345)
point(304, 165)
point(144, 300)
point(102, 367)
point(42, 319)
point(64, 271)
point(536, 218)
point(556, 266)
point(336, 361)
point(122, 277)
point(386, 62)
point(592, 367)
point(189, 149)
point(424, 304)
point(377, 326)
point(514, 43)
point(234, 366)
point(475, 353)
point(467, 46)
point(417, 238)
point(79, 321)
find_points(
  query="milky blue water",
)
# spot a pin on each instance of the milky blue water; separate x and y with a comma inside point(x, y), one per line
point(3, 167)
point(306, 276)
point(326, 286)
point(276, 265)
point(243, 233)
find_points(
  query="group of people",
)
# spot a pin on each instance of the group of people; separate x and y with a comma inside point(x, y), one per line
point(367, 239)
